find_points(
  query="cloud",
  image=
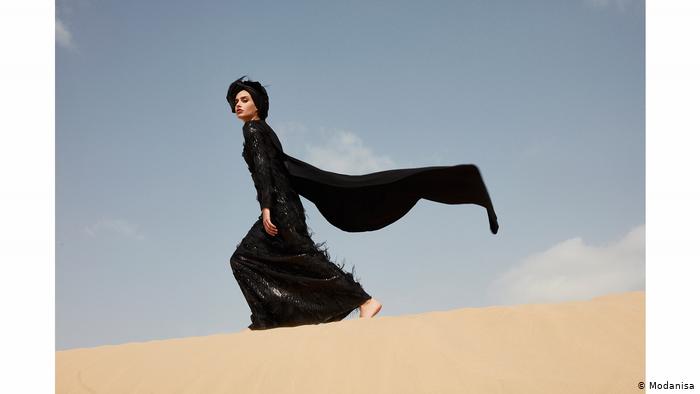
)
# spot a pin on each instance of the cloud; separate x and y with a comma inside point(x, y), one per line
point(63, 36)
point(344, 152)
point(114, 226)
point(572, 270)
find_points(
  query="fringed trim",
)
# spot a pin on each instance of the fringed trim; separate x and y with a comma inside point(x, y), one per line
point(323, 249)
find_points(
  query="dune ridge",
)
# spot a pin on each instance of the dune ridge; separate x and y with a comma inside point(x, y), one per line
point(594, 346)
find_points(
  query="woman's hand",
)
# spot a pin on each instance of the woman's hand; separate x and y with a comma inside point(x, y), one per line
point(269, 227)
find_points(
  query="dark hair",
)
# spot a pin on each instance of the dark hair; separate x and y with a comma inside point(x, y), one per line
point(257, 92)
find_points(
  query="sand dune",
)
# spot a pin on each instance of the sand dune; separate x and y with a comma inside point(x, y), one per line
point(594, 346)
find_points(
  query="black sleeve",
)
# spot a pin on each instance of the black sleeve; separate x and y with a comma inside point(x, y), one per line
point(259, 149)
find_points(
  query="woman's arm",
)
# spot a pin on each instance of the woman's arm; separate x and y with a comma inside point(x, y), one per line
point(261, 172)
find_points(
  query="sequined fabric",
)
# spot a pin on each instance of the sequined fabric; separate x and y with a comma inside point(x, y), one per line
point(286, 279)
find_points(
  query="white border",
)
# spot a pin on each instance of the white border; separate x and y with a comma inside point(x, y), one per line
point(27, 341)
point(673, 105)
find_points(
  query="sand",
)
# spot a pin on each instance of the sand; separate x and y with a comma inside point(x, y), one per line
point(594, 346)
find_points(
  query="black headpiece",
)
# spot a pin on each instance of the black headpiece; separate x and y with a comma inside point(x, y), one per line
point(257, 92)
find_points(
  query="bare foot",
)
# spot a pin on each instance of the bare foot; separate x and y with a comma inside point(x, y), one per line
point(370, 308)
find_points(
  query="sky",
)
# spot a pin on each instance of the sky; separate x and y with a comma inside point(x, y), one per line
point(547, 98)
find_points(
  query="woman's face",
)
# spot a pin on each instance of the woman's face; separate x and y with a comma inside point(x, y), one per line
point(245, 107)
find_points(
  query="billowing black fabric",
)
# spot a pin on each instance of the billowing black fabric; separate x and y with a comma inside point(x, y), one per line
point(289, 280)
point(356, 203)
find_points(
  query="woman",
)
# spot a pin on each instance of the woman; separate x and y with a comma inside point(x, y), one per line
point(285, 277)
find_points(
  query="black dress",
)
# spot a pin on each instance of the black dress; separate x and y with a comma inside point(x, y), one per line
point(287, 279)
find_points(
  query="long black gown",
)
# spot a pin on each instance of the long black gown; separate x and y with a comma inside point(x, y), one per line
point(287, 279)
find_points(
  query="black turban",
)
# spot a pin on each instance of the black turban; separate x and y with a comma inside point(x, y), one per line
point(257, 92)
